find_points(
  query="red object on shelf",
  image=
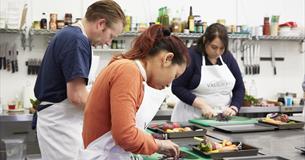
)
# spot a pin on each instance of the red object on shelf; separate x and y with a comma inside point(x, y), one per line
point(289, 24)
point(266, 27)
point(11, 106)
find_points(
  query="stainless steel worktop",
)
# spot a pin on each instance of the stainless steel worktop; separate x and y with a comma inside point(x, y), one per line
point(280, 142)
point(16, 116)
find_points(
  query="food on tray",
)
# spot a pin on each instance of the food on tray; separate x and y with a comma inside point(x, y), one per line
point(171, 127)
point(278, 119)
point(185, 129)
point(209, 146)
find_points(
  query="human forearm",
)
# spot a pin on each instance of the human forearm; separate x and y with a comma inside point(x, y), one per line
point(77, 93)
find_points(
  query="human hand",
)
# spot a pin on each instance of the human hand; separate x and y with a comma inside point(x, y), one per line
point(168, 148)
point(229, 111)
point(207, 111)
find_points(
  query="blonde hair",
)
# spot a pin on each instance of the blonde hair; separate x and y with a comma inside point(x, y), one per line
point(106, 9)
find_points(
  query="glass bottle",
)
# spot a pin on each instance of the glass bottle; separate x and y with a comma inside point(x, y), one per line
point(266, 27)
point(43, 21)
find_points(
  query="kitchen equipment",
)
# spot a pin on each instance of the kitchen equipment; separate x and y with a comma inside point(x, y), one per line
point(186, 152)
point(260, 157)
point(1, 55)
point(15, 148)
point(196, 131)
point(242, 128)
point(294, 125)
point(273, 61)
point(213, 122)
point(246, 150)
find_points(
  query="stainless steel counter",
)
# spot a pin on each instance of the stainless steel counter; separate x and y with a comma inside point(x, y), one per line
point(281, 142)
point(16, 116)
point(244, 111)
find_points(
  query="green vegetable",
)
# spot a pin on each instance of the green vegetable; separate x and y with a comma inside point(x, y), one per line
point(251, 99)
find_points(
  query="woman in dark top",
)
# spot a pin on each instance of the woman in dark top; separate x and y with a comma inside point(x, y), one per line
point(212, 83)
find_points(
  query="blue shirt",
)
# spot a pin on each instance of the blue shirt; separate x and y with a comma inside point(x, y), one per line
point(67, 57)
point(190, 79)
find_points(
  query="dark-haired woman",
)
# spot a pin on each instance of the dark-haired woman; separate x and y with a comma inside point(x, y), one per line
point(111, 129)
point(212, 83)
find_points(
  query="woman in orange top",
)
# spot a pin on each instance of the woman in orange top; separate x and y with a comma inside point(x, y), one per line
point(110, 131)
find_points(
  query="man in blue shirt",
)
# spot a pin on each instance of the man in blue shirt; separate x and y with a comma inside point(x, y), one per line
point(63, 76)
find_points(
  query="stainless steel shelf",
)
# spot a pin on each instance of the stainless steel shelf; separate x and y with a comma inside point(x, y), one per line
point(286, 38)
point(254, 109)
point(129, 34)
point(108, 50)
point(42, 32)
point(190, 35)
point(6, 30)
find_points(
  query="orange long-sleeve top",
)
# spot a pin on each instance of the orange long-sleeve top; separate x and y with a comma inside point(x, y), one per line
point(112, 105)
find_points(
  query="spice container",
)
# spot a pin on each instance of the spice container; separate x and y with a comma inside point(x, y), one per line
point(60, 24)
point(53, 21)
point(68, 19)
point(176, 25)
point(36, 25)
point(274, 25)
point(266, 27)
point(204, 25)
point(43, 22)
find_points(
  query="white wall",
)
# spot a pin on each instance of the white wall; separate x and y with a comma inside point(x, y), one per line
point(250, 12)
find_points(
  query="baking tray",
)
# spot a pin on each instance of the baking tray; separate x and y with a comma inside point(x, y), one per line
point(297, 125)
point(301, 149)
point(242, 128)
point(197, 132)
point(257, 158)
point(246, 150)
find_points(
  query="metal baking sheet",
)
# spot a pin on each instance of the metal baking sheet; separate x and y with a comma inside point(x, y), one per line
point(296, 125)
point(246, 150)
point(198, 131)
point(257, 158)
point(241, 128)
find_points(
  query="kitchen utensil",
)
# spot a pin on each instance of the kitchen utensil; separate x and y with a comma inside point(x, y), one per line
point(260, 157)
point(246, 150)
point(214, 122)
point(242, 128)
point(295, 125)
point(273, 61)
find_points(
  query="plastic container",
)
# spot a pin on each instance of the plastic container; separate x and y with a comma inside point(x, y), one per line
point(15, 148)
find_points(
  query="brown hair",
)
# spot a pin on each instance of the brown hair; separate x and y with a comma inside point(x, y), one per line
point(155, 39)
point(107, 9)
point(215, 30)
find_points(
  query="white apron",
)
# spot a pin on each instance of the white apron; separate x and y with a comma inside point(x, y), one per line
point(215, 88)
point(104, 147)
point(59, 128)
point(59, 131)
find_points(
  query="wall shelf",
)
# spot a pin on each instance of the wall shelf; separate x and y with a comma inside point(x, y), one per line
point(280, 38)
point(101, 51)
point(41, 32)
point(6, 30)
point(242, 36)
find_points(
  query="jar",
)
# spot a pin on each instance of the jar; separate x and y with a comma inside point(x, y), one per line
point(60, 24)
point(176, 25)
point(68, 19)
point(53, 21)
point(204, 25)
point(199, 27)
point(36, 25)
point(266, 27)
point(127, 27)
point(77, 20)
